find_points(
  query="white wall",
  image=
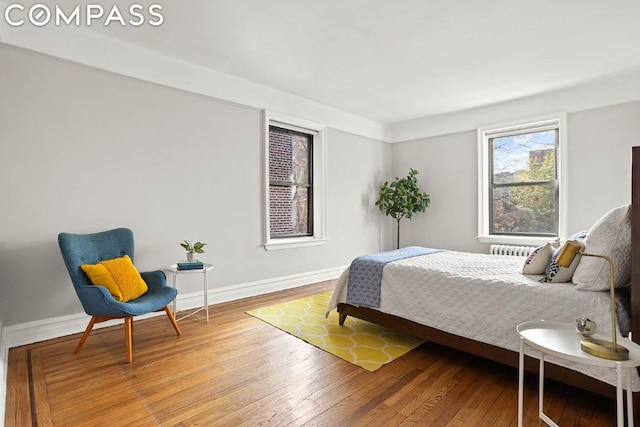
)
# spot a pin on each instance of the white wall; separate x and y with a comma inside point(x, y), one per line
point(85, 46)
point(84, 150)
point(447, 169)
point(600, 161)
point(599, 158)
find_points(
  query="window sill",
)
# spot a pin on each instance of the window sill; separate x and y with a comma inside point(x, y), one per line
point(518, 240)
point(276, 245)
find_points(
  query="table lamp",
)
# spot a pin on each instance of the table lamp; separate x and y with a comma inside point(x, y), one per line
point(600, 348)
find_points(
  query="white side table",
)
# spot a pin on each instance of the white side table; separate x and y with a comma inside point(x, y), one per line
point(563, 341)
point(173, 268)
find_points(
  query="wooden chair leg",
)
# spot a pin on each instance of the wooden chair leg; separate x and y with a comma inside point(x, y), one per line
point(172, 320)
point(128, 331)
point(87, 331)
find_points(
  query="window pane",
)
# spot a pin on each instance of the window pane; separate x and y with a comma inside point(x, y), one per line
point(527, 157)
point(289, 211)
point(300, 158)
point(289, 156)
point(529, 209)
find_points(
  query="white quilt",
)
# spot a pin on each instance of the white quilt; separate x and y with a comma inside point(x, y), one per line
point(484, 297)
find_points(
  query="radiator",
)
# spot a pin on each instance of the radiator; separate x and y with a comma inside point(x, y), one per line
point(511, 250)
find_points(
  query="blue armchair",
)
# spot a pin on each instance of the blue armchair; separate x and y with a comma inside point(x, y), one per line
point(79, 249)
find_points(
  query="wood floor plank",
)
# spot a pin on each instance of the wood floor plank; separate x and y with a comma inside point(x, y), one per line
point(472, 400)
point(453, 399)
point(18, 404)
point(238, 370)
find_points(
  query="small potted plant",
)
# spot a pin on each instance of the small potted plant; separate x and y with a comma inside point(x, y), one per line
point(192, 250)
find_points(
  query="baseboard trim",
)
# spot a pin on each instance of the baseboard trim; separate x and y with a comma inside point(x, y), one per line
point(261, 287)
point(41, 330)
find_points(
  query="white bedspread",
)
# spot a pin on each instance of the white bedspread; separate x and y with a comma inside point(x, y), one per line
point(484, 297)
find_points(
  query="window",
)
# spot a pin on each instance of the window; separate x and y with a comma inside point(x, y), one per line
point(290, 183)
point(294, 151)
point(520, 192)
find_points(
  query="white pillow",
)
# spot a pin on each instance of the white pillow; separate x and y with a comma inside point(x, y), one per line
point(537, 260)
point(556, 274)
point(610, 236)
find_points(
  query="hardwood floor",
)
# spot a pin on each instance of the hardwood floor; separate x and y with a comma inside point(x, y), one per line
point(237, 370)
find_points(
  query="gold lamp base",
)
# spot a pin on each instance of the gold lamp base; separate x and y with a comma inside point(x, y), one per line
point(604, 349)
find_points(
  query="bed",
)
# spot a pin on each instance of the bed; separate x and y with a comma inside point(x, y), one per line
point(483, 324)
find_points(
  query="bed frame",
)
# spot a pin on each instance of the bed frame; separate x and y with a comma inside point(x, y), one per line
point(509, 357)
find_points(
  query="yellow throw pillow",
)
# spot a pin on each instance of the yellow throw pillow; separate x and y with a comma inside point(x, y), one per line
point(119, 276)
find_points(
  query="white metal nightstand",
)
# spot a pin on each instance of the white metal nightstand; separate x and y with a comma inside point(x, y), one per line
point(173, 268)
point(563, 341)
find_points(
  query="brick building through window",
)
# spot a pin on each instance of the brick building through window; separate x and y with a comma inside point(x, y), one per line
point(290, 183)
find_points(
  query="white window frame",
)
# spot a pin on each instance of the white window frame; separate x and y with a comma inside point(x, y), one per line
point(555, 121)
point(318, 131)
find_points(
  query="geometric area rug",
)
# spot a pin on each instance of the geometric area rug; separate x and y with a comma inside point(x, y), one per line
point(362, 343)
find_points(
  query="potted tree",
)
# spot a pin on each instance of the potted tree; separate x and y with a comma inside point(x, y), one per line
point(192, 250)
point(402, 198)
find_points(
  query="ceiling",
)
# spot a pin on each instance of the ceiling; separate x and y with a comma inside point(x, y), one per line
point(390, 61)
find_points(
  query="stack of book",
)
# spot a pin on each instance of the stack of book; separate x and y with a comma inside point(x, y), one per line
point(190, 265)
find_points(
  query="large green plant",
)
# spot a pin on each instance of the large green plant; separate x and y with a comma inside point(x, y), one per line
point(402, 198)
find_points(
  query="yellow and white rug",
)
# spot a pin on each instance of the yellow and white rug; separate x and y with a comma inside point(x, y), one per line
point(362, 343)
